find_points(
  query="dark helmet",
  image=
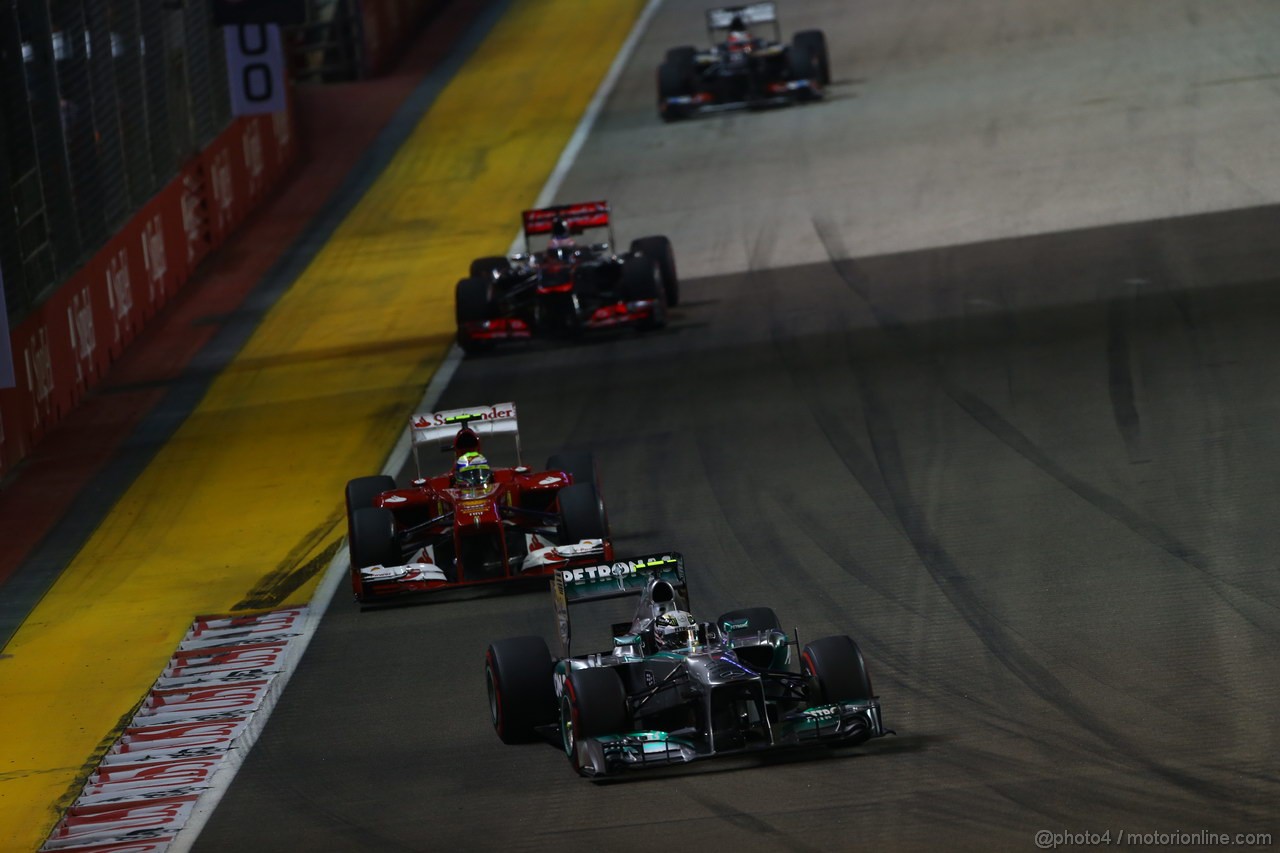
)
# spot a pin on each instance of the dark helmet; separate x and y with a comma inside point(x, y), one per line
point(559, 229)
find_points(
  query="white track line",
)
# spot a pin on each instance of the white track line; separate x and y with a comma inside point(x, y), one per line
point(337, 571)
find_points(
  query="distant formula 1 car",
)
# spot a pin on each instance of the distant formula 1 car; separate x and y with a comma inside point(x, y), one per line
point(563, 286)
point(672, 689)
point(743, 68)
point(475, 524)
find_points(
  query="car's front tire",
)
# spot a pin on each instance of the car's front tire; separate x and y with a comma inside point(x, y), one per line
point(642, 280)
point(659, 248)
point(362, 490)
point(371, 541)
point(836, 671)
point(579, 464)
point(473, 303)
point(593, 703)
point(484, 268)
point(582, 513)
point(675, 80)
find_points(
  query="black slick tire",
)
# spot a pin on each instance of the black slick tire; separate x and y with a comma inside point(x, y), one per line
point(836, 670)
point(641, 280)
point(582, 514)
point(518, 675)
point(362, 490)
point(675, 80)
point(579, 464)
point(592, 703)
point(813, 45)
point(473, 303)
point(484, 268)
point(659, 248)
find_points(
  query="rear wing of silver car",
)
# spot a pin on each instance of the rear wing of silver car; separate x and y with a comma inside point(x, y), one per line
point(619, 579)
point(441, 428)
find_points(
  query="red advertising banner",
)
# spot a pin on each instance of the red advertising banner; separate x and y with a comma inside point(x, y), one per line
point(68, 343)
point(171, 753)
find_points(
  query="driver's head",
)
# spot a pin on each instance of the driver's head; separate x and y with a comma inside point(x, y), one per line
point(472, 471)
point(561, 235)
point(676, 629)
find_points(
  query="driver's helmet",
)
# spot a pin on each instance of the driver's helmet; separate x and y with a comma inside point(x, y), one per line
point(561, 237)
point(676, 629)
point(739, 35)
point(472, 471)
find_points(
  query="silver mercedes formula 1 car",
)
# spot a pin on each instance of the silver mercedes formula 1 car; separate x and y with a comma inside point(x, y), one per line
point(673, 689)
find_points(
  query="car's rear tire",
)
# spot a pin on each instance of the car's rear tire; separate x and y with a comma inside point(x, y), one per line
point(518, 674)
point(484, 268)
point(659, 248)
point(641, 280)
point(580, 464)
point(835, 670)
point(582, 513)
point(593, 703)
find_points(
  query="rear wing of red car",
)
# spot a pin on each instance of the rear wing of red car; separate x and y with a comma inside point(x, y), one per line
point(440, 427)
point(619, 579)
point(584, 214)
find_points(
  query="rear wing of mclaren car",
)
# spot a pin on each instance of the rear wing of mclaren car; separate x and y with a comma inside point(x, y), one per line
point(619, 579)
point(580, 216)
point(441, 427)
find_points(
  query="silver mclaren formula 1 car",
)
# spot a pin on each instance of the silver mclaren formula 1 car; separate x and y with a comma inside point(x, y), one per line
point(673, 689)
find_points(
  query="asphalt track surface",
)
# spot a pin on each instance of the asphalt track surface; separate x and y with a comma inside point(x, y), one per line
point(1005, 414)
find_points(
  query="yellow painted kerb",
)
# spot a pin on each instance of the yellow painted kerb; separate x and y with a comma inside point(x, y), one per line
point(248, 492)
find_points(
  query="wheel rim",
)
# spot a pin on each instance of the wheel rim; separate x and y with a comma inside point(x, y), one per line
point(566, 723)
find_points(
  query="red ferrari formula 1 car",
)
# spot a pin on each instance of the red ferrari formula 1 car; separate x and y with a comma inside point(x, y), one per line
point(564, 284)
point(475, 524)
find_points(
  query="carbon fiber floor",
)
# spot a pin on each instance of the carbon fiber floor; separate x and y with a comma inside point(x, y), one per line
point(1034, 477)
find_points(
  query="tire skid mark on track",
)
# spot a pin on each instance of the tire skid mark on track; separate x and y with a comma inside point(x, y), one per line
point(750, 823)
point(844, 447)
point(762, 535)
point(1252, 608)
point(1124, 405)
point(946, 573)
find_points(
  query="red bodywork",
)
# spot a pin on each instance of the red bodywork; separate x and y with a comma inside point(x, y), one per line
point(453, 537)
